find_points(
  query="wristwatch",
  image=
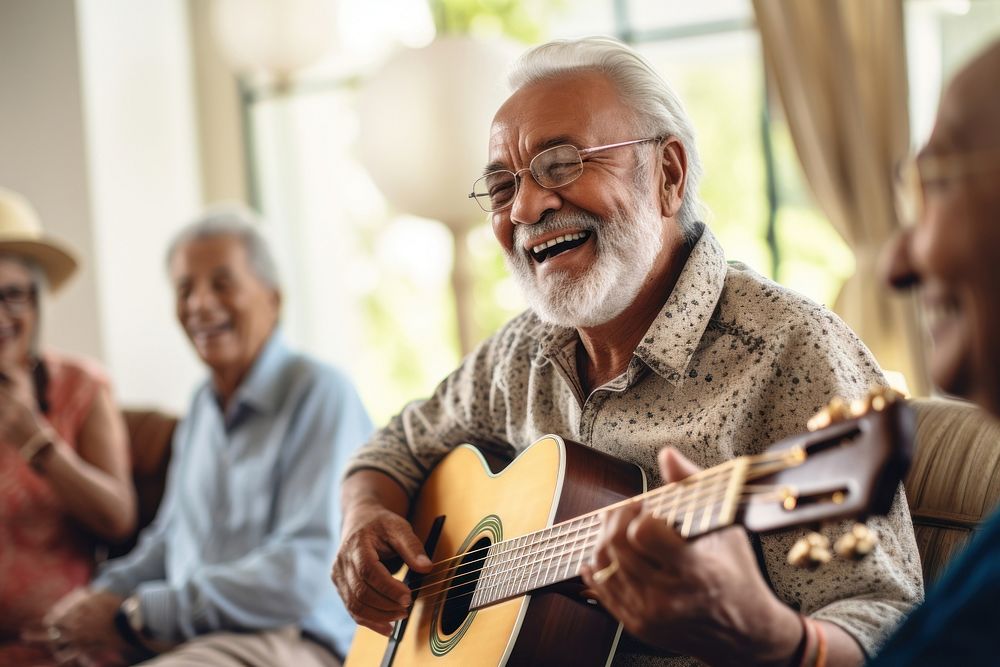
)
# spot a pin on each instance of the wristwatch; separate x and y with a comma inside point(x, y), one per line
point(133, 614)
point(131, 626)
point(128, 621)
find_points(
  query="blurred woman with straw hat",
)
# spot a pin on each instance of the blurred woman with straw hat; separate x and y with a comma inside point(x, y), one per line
point(64, 468)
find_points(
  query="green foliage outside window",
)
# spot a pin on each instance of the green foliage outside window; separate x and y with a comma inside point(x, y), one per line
point(521, 20)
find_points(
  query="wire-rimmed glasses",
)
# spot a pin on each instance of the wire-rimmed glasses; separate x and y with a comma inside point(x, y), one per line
point(916, 174)
point(552, 168)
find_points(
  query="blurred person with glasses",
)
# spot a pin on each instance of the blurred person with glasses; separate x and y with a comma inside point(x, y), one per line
point(642, 342)
point(950, 254)
point(65, 481)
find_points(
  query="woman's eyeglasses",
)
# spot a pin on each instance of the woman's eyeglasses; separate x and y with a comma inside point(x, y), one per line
point(16, 299)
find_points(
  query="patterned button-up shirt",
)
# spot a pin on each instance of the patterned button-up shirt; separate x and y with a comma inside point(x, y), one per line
point(732, 363)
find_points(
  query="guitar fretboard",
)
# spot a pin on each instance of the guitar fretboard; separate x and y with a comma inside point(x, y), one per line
point(699, 504)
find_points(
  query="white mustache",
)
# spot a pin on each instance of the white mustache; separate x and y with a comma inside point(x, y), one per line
point(524, 235)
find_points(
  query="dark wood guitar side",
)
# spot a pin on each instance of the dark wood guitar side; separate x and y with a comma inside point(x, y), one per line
point(593, 481)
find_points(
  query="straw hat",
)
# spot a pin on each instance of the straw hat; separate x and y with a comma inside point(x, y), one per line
point(21, 234)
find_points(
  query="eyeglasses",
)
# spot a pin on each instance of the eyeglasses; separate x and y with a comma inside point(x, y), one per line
point(552, 168)
point(17, 298)
point(915, 175)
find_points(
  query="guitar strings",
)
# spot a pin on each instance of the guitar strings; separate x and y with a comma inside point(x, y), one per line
point(754, 461)
point(758, 466)
point(554, 533)
point(529, 558)
point(515, 552)
point(519, 577)
point(582, 541)
point(531, 567)
point(666, 488)
point(527, 575)
point(443, 592)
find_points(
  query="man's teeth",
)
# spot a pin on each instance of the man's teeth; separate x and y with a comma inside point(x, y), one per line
point(548, 244)
point(208, 330)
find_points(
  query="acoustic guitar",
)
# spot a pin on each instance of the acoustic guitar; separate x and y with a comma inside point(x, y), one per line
point(508, 546)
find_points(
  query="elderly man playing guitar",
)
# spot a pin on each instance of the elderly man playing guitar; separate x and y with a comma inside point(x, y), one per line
point(640, 336)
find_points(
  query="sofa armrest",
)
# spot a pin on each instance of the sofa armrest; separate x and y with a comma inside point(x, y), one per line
point(150, 433)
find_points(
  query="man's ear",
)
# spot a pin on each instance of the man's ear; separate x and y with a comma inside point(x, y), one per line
point(672, 176)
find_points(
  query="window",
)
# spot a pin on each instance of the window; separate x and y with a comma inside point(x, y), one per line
point(369, 287)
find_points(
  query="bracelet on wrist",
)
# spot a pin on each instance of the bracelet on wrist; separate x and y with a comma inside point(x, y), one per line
point(813, 647)
point(126, 630)
point(132, 628)
point(803, 646)
point(36, 446)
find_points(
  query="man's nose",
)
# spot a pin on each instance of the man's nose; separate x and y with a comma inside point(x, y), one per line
point(199, 298)
point(897, 262)
point(532, 201)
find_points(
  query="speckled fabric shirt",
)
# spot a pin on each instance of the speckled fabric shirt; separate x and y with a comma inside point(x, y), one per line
point(732, 363)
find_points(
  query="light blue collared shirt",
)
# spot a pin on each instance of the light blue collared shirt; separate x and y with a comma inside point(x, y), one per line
point(250, 519)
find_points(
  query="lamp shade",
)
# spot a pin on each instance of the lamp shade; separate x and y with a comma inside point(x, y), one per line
point(273, 36)
point(425, 121)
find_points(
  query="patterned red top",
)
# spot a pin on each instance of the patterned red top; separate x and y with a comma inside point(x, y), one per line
point(44, 553)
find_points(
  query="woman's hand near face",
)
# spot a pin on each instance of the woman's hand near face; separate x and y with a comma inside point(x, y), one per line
point(19, 418)
point(93, 480)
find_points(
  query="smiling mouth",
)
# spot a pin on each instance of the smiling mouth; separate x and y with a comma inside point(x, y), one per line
point(205, 332)
point(938, 313)
point(558, 245)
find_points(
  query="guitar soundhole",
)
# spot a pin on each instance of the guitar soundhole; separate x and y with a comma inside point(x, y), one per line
point(462, 586)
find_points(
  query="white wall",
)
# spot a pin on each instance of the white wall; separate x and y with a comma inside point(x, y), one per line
point(220, 136)
point(42, 153)
point(144, 179)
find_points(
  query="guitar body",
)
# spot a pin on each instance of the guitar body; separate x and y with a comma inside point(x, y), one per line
point(550, 482)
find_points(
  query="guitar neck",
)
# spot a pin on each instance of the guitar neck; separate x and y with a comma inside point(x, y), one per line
point(848, 468)
point(697, 505)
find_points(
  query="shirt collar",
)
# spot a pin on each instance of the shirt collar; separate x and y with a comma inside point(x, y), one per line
point(261, 389)
point(674, 335)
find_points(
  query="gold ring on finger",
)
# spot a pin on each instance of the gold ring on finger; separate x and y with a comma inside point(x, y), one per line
point(606, 573)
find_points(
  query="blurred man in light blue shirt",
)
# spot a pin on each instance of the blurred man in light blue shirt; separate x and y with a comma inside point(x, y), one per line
point(234, 571)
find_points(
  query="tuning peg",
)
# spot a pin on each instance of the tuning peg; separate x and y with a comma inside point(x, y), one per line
point(861, 406)
point(856, 543)
point(810, 552)
point(879, 398)
point(836, 410)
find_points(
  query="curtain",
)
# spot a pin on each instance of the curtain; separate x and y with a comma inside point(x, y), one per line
point(839, 69)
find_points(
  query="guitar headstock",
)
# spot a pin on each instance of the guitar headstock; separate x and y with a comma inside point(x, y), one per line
point(850, 465)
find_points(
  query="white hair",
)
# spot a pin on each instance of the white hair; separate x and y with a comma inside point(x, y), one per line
point(658, 110)
point(237, 221)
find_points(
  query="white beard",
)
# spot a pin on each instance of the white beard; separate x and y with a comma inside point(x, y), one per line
point(627, 247)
